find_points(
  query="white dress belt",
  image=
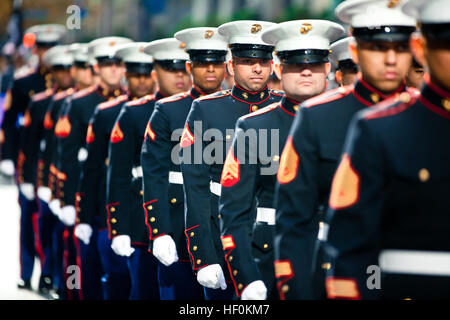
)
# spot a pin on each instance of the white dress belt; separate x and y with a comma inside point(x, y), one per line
point(266, 215)
point(215, 188)
point(136, 172)
point(175, 177)
point(323, 231)
point(415, 262)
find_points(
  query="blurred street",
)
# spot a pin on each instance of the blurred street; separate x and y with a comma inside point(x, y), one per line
point(9, 244)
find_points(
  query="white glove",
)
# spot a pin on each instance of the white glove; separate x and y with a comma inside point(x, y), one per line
point(121, 245)
point(27, 189)
point(7, 167)
point(256, 290)
point(44, 193)
point(165, 250)
point(68, 215)
point(83, 231)
point(55, 207)
point(212, 277)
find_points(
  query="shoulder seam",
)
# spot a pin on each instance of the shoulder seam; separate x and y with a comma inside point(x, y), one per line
point(261, 111)
point(112, 103)
point(327, 97)
point(140, 101)
point(215, 95)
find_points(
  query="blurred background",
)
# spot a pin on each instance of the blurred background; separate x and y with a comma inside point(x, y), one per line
point(146, 20)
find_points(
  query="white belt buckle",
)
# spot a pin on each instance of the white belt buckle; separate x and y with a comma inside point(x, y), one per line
point(175, 177)
point(215, 188)
point(136, 172)
point(265, 215)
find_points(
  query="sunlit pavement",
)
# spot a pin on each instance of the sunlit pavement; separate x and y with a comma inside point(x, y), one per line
point(9, 248)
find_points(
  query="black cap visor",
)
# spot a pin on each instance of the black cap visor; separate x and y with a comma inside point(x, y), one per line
point(383, 33)
point(172, 65)
point(207, 55)
point(347, 64)
point(436, 31)
point(251, 51)
point(139, 67)
point(303, 56)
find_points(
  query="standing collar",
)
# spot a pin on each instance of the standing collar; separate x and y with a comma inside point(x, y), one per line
point(435, 98)
point(289, 105)
point(110, 94)
point(249, 96)
point(196, 93)
point(368, 95)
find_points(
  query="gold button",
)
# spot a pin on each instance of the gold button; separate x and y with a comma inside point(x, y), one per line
point(173, 200)
point(114, 232)
point(276, 158)
point(285, 288)
point(265, 246)
point(295, 107)
point(235, 272)
point(152, 219)
point(326, 266)
point(228, 137)
point(107, 162)
point(113, 220)
point(405, 97)
point(78, 220)
point(150, 207)
point(78, 209)
point(446, 104)
point(194, 248)
point(375, 97)
point(245, 95)
point(199, 261)
point(424, 175)
point(254, 108)
point(116, 92)
point(230, 258)
point(192, 234)
point(61, 184)
point(78, 197)
point(110, 98)
point(141, 192)
point(155, 231)
point(261, 95)
point(219, 216)
point(240, 286)
point(62, 194)
point(113, 209)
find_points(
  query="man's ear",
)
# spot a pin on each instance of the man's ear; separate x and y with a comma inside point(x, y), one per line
point(277, 70)
point(189, 67)
point(338, 77)
point(327, 68)
point(96, 68)
point(354, 52)
point(230, 66)
point(418, 45)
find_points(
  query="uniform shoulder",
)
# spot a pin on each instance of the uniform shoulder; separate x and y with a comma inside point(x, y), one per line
point(141, 101)
point(175, 97)
point(112, 103)
point(276, 92)
point(84, 92)
point(328, 96)
point(392, 106)
point(23, 73)
point(261, 111)
point(63, 94)
point(42, 95)
point(215, 95)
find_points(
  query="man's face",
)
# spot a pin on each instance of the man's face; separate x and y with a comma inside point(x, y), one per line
point(82, 76)
point(251, 74)
point(437, 57)
point(140, 84)
point(303, 81)
point(207, 76)
point(63, 78)
point(346, 77)
point(171, 82)
point(414, 77)
point(383, 64)
point(111, 73)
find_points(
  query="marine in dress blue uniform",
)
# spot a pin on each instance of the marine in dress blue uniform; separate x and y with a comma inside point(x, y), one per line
point(162, 178)
point(18, 98)
point(249, 173)
point(59, 59)
point(203, 157)
point(346, 70)
point(312, 152)
point(126, 215)
point(389, 206)
point(91, 211)
point(71, 152)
